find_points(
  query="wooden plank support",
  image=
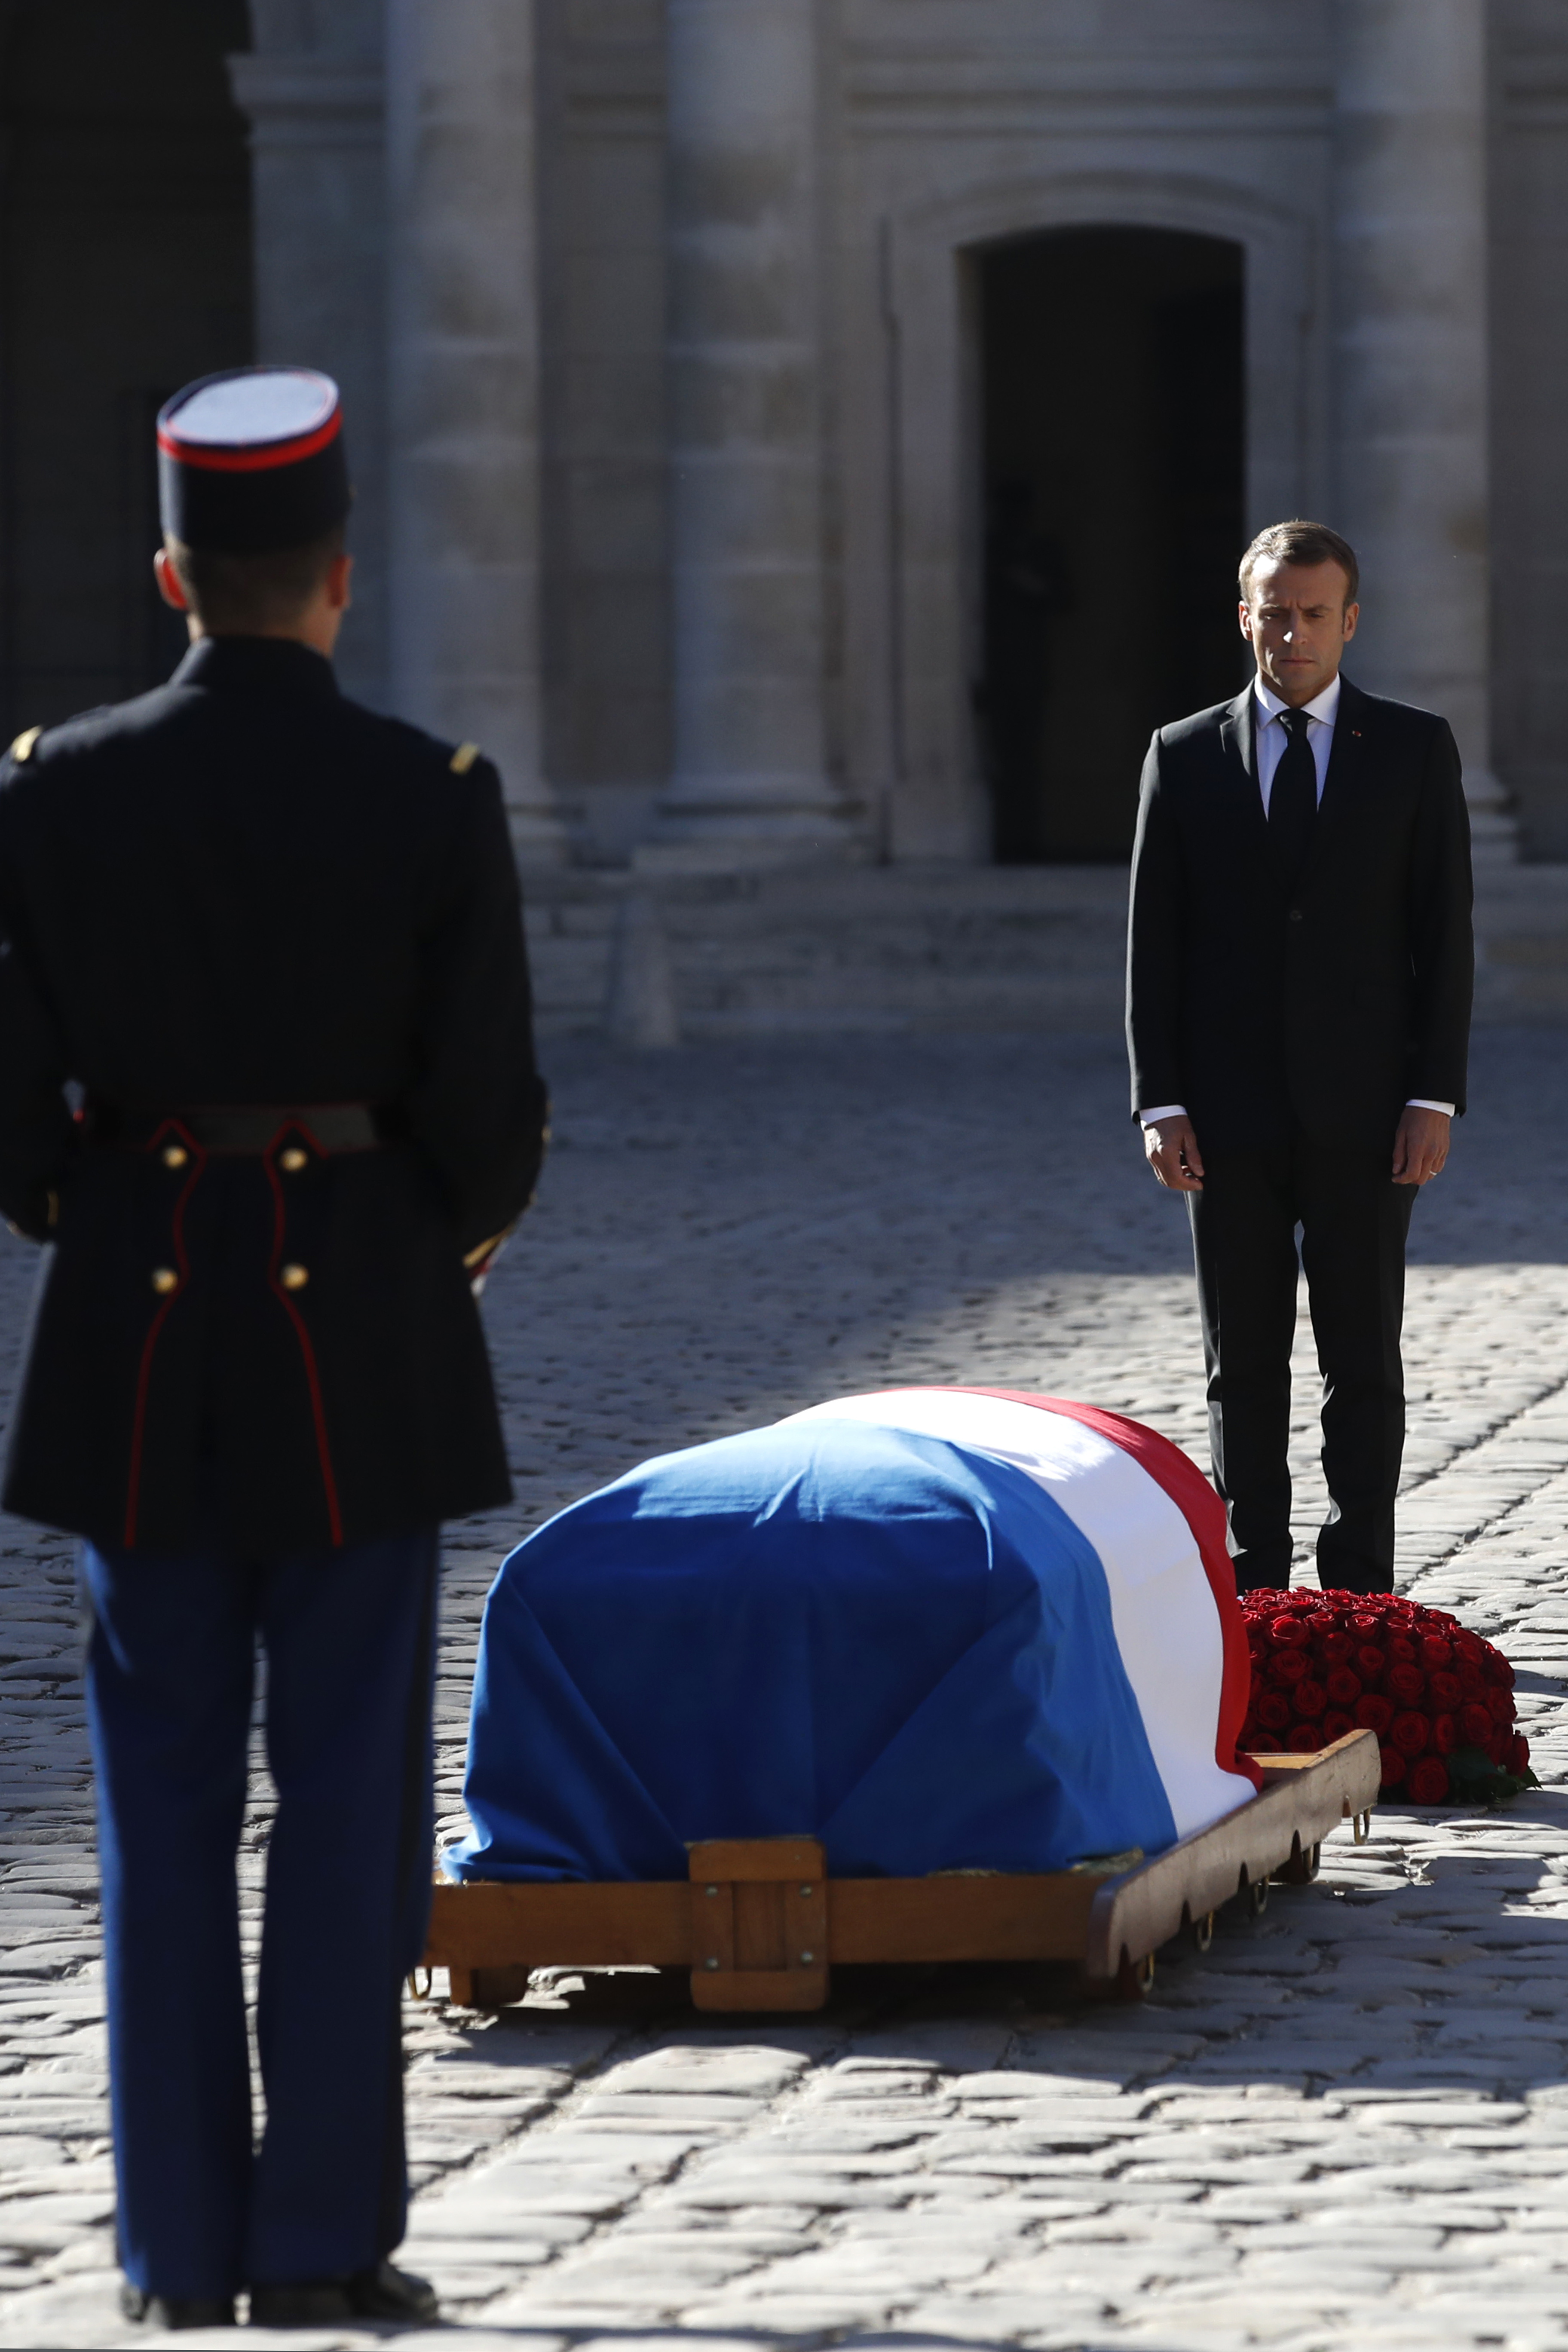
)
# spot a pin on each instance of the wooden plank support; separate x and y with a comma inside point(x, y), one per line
point(759, 1924)
point(553, 1923)
point(1301, 1800)
point(961, 1916)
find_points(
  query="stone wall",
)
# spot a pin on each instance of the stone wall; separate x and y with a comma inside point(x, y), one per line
point(739, 546)
point(1529, 459)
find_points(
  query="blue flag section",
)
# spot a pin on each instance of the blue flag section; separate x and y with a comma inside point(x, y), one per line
point(903, 1645)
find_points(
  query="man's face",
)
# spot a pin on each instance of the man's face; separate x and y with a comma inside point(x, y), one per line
point(1298, 623)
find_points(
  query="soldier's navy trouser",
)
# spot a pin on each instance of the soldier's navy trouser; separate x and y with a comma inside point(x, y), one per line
point(349, 1643)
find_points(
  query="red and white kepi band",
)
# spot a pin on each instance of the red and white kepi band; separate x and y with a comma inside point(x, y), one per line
point(253, 460)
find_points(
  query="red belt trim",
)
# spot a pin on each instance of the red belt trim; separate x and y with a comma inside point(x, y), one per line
point(144, 1375)
point(312, 1377)
point(1204, 1512)
point(213, 460)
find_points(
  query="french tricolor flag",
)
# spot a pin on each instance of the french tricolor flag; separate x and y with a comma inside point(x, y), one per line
point(1157, 1530)
point(936, 1628)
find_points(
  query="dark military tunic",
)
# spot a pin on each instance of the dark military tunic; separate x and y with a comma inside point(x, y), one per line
point(244, 888)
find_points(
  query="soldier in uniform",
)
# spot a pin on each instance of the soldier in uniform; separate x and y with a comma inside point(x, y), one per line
point(267, 1095)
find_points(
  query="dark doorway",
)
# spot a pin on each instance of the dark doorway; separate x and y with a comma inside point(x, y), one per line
point(1113, 438)
point(124, 272)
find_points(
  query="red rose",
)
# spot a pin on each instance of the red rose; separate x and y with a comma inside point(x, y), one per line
point(1445, 1690)
point(1500, 1705)
point(1287, 1633)
point(1518, 1754)
point(1445, 1734)
point(1336, 1723)
point(1408, 1732)
point(1498, 1671)
point(1472, 1678)
point(1373, 1713)
point(1400, 1648)
point(1435, 1651)
point(1344, 1686)
point(1304, 1739)
point(1272, 1710)
point(1392, 1766)
point(1475, 1724)
point(1404, 1683)
point(1427, 1783)
point(1288, 1666)
point(1262, 1743)
point(1335, 1648)
point(1370, 1662)
point(1311, 1698)
point(1366, 1624)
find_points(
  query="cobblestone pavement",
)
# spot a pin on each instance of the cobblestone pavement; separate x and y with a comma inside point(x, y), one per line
point(1347, 2125)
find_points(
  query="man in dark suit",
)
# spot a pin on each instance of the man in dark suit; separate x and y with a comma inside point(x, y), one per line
point(1300, 969)
point(267, 1093)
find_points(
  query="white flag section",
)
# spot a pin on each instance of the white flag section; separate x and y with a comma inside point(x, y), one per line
point(1162, 1606)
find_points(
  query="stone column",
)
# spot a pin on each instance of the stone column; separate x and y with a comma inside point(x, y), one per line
point(463, 388)
point(318, 182)
point(748, 772)
point(1411, 359)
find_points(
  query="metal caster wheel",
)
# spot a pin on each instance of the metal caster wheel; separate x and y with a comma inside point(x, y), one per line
point(1135, 1978)
point(1201, 1931)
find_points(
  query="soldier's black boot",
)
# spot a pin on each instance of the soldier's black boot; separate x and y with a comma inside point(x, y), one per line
point(382, 2293)
point(385, 2292)
point(174, 2310)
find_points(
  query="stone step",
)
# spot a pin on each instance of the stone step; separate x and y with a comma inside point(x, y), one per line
point(912, 947)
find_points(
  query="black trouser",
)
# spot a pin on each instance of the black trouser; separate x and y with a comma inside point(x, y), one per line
point(1354, 1221)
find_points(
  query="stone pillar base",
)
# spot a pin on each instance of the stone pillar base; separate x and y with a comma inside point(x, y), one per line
point(538, 840)
point(1494, 829)
point(696, 836)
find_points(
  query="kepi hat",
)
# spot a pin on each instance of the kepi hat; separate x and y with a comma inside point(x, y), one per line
point(252, 460)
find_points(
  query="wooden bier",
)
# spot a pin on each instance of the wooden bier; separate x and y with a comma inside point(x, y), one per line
point(759, 1925)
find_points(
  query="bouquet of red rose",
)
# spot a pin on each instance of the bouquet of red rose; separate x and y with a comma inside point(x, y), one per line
point(1439, 1698)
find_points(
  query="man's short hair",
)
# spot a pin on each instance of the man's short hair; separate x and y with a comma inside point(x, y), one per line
point(1301, 542)
point(250, 595)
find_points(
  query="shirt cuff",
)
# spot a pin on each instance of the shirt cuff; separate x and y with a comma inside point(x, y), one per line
point(1419, 1102)
point(1164, 1110)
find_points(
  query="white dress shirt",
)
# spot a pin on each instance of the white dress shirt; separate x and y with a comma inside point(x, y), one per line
point(1270, 737)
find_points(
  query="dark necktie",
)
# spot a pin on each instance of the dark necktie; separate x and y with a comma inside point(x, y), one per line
point(1293, 801)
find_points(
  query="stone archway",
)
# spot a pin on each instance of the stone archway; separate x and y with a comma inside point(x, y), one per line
point(1112, 457)
point(940, 807)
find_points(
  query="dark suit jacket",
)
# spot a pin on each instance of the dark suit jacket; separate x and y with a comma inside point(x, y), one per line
point(244, 889)
point(1325, 1009)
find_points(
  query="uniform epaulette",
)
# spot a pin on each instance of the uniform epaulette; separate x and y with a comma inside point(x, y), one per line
point(463, 758)
point(22, 749)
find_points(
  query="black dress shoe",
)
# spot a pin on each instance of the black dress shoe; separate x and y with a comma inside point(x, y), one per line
point(382, 2293)
point(172, 2311)
point(307, 2303)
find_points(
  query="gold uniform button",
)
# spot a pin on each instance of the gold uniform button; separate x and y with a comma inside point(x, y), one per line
point(164, 1279)
point(293, 1160)
point(293, 1278)
point(175, 1156)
